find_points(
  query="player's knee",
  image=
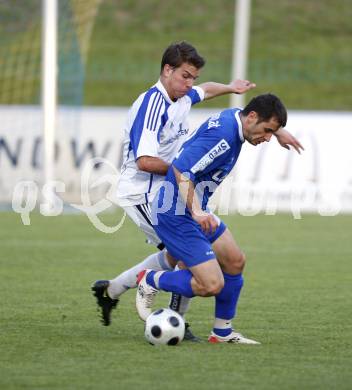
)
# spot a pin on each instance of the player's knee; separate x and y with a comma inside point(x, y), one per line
point(238, 262)
point(242, 260)
point(214, 287)
point(218, 287)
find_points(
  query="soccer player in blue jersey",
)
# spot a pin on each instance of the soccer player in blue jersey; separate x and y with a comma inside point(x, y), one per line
point(157, 126)
point(189, 231)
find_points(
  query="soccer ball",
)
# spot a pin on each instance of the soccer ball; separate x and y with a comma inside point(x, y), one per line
point(164, 326)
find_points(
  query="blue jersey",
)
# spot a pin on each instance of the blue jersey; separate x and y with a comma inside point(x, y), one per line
point(206, 159)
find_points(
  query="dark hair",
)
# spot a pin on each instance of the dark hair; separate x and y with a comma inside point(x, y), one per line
point(267, 106)
point(179, 53)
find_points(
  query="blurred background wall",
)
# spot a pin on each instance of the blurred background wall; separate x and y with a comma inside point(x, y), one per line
point(110, 51)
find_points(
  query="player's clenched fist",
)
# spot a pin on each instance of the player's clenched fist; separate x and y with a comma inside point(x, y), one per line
point(207, 221)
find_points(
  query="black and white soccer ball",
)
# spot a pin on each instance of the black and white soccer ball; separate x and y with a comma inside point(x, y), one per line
point(164, 326)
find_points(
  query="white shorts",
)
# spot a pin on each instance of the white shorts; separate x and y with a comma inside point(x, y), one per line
point(141, 216)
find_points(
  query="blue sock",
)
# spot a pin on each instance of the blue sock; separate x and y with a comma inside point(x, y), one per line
point(226, 301)
point(177, 282)
point(223, 332)
point(150, 278)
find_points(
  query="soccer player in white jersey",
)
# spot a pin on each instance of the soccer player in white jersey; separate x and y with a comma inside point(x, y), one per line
point(156, 128)
point(189, 231)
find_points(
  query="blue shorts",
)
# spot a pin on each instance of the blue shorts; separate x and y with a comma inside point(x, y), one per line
point(185, 240)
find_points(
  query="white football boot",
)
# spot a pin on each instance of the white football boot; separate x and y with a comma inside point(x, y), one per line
point(145, 295)
point(235, 338)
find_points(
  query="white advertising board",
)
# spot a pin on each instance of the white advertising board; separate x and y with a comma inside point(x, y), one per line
point(267, 178)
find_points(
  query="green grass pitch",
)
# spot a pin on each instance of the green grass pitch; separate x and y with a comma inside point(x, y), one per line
point(296, 301)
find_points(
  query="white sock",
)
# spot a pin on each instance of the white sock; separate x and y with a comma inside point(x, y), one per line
point(219, 323)
point(157, 261)
point(184, 305)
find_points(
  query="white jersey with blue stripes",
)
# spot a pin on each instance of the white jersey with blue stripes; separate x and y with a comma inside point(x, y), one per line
point(157, 127)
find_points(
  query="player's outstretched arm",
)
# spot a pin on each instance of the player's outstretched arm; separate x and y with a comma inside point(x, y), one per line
point(286, 139)
point(212, 89)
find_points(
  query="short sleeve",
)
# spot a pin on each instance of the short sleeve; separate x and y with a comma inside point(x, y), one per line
point(203, 153)
point(196, 94)
point(144, 131)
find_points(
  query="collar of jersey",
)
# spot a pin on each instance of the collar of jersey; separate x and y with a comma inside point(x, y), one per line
point(240, 130)
point(162, 89)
